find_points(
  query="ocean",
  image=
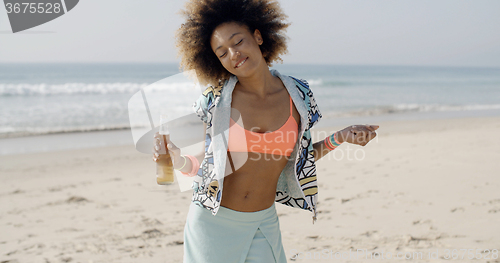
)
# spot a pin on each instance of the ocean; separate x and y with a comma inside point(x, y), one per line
point(40, 99)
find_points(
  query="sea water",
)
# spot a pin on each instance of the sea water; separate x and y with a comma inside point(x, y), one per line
point(38, 99)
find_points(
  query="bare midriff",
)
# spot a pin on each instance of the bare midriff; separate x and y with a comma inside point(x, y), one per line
point(252, 186)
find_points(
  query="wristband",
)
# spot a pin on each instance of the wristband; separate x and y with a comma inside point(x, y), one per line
point(333, 140)
point(328, 146)
point(185, 161)
point(195, 164)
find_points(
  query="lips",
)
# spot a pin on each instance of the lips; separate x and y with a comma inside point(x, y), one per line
point(241, 62)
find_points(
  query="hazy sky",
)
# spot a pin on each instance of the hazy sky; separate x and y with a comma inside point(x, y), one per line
point(368, 32)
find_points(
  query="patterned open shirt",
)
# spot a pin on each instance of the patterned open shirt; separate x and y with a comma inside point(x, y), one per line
point(297, 184)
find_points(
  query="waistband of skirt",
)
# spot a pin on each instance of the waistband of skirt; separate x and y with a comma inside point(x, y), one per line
point(242, 216)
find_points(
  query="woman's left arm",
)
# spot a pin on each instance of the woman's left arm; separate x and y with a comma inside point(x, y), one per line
point(355, 134)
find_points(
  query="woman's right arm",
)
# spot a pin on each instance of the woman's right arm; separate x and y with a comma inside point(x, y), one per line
point(175, 152)
point(201, 108)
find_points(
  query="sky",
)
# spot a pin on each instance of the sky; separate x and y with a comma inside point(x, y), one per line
point(462, 33)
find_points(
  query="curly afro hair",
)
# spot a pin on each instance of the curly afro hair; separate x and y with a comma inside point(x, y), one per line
point(203, 16)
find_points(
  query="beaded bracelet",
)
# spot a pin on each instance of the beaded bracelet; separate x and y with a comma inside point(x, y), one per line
point(195, 164)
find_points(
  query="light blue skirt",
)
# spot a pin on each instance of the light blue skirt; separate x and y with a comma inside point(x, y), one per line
point(232, 236)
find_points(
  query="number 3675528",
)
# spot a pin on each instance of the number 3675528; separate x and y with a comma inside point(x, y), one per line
point(46, 8)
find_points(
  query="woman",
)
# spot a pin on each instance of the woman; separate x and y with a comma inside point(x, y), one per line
point(258, 145)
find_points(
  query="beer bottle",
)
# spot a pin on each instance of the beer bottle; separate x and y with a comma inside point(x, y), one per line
point(164, 165)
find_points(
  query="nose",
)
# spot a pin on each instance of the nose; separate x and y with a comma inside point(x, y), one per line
point(235, 54)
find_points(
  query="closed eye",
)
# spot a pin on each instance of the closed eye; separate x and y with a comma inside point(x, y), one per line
point(223, 55)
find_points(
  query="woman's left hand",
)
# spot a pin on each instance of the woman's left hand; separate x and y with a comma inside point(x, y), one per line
point(357, 134)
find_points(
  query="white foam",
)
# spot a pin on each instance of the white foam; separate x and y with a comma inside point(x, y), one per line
point(26, 89)
point(315, 82)
point(439, 107)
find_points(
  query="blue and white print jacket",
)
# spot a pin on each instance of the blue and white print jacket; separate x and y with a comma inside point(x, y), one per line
point(297, 184)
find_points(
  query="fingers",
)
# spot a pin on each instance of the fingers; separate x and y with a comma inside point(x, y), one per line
point(157, 136)
point(362, 134)
point(371, 132)
point(159, 147)
point(371, 135)
point(160, 142)
point(361, 137)
point(156, 156)
point(156, 153)
point(364, 127)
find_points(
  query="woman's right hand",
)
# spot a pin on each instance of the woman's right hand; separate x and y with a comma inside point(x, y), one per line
point(159, 148)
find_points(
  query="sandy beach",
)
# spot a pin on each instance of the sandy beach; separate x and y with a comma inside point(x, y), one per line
point(422, 188)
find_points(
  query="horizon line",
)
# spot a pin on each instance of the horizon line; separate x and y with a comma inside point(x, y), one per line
point(274, 65)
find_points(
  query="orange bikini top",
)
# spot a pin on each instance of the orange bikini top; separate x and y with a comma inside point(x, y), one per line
point(279, 142)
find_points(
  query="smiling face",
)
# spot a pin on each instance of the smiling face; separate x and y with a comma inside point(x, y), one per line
point(237, 48)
